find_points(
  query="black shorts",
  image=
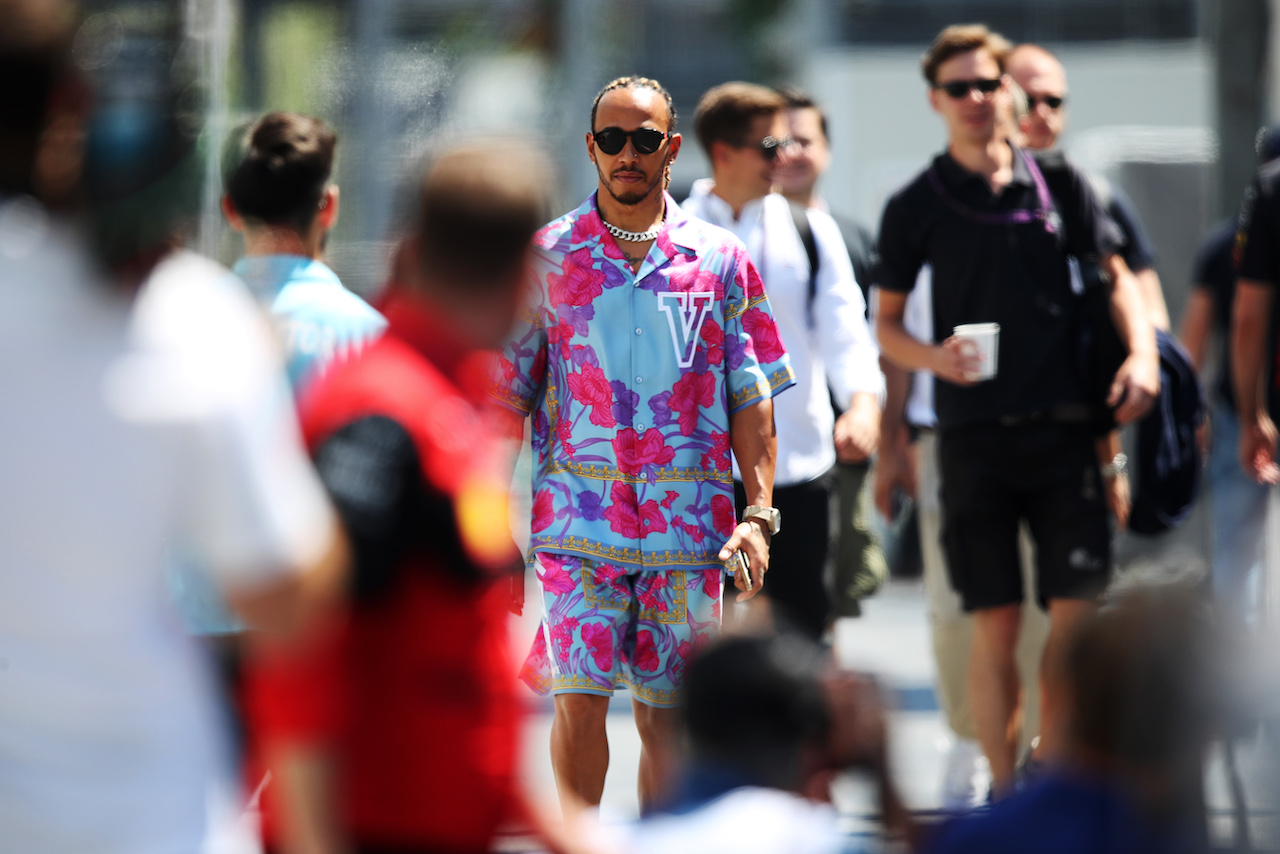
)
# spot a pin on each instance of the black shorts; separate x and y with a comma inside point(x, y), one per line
point(993, 477)
point(800, 583)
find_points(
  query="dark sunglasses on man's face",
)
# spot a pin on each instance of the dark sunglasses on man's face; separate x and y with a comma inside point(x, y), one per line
point(1053, 102)
point(960, 88)
point(770, 146)
point(646, 140)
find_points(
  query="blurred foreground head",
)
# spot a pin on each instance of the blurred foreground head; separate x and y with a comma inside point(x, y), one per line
point(101, 117)
point(1143, 700)
point(478, 207)
point(760, 707)
point(42, 111)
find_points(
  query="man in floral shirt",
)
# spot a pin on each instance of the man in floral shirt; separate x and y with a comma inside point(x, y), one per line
point(648, 353)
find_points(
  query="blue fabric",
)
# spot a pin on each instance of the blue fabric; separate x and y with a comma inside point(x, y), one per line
point(1057, 815)
point(318, 320)
point(1168, 465)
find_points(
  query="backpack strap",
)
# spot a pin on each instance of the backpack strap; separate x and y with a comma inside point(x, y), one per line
point(800, 218)
point(1045, 213)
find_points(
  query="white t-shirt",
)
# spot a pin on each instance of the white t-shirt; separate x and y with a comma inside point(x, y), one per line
point(128, 431)
point(838, 349)
point(743, 821)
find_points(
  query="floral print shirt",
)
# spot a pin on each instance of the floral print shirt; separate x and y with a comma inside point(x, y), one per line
point(630, 378)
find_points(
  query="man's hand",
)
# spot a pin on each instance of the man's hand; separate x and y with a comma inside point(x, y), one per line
point(895, 469)
point(751, 538)
point(1136, 383)
point(956, 361)
point(1118, 498)
point(857, 431)
point(1258, 450)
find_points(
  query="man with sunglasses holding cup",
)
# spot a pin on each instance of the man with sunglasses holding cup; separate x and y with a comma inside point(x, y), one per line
point(745, 132)
point(647, 355)
point(1019, 445)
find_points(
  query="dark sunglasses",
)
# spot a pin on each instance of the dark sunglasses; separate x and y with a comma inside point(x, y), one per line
point(1053, 102)
point(770, 146)
point(960, 88)
point(646, 140)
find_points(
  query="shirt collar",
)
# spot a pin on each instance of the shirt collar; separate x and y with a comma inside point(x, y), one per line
point(267, 274)
point(957, 176)
point(720, 212)
point(677, 226)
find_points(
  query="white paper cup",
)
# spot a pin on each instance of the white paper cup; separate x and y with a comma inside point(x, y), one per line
point(983, 340)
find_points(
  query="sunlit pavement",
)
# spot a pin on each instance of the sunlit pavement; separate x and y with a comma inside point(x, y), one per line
point(891, 640)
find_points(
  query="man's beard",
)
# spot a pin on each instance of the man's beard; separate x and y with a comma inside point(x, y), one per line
point(634, 197)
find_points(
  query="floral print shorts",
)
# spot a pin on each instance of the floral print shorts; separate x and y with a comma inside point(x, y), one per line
point(606, 626)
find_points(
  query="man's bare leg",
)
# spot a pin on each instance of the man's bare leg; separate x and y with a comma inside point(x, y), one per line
point(580, 748)
point(993, 688)
point(658, 728)
point(1065, 616)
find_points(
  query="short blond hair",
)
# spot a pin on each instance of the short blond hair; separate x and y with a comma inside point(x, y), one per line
point(963, 38)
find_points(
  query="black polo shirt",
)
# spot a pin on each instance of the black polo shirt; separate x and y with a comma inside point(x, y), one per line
point(1258, 254)
point(1016, 275)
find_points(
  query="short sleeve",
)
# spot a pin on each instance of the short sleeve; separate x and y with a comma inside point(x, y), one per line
point(901, 251)
point(758, 365)
point(1256, 239)
point(1090, 229)
point(1139, 253)
point(520, 373)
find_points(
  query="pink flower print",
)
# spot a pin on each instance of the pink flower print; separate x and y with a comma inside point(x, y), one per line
point(562, 637)
point(646, 654)
point(612, 576)
point(671, 497)
point(691, 391)
point(627, 517)
point(723, 516)
point(764, 334)
point(652, 519)
point(663, 241)
point(561, 334)
point(687, 650)
point(712, 582)
point(651, 597)
point(599, 642)
point(508, 369)
point(591, 388)
point(543, 510)
point(587, 227)
point(564, 431)
point(713, 337)
point(539, 366)
point(718, 456)
point(555, 579)
point(578, 283)
point(755, 285)
point(634, 451)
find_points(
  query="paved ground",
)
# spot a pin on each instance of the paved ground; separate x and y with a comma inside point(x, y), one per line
point(891, 640)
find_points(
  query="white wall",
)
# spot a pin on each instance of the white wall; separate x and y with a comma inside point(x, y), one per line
point(884, 131)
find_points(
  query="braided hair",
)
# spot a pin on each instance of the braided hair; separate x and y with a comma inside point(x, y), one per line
point(635, 82)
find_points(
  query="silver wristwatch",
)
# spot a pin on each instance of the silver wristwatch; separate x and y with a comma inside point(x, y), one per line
point(1118, 466)
point(771, 516)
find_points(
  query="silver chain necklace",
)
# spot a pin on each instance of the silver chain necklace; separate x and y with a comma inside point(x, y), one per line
point(631, 236)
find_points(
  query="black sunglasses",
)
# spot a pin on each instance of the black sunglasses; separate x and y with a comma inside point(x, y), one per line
point(770, 146)
point(646, 140)
point(1053, 102)
point(960, 88)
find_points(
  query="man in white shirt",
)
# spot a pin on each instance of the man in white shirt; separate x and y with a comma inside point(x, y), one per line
point(743, 128)
point(132, 427)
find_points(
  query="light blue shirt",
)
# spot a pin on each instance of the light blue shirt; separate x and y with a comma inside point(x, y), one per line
point(318, 320)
